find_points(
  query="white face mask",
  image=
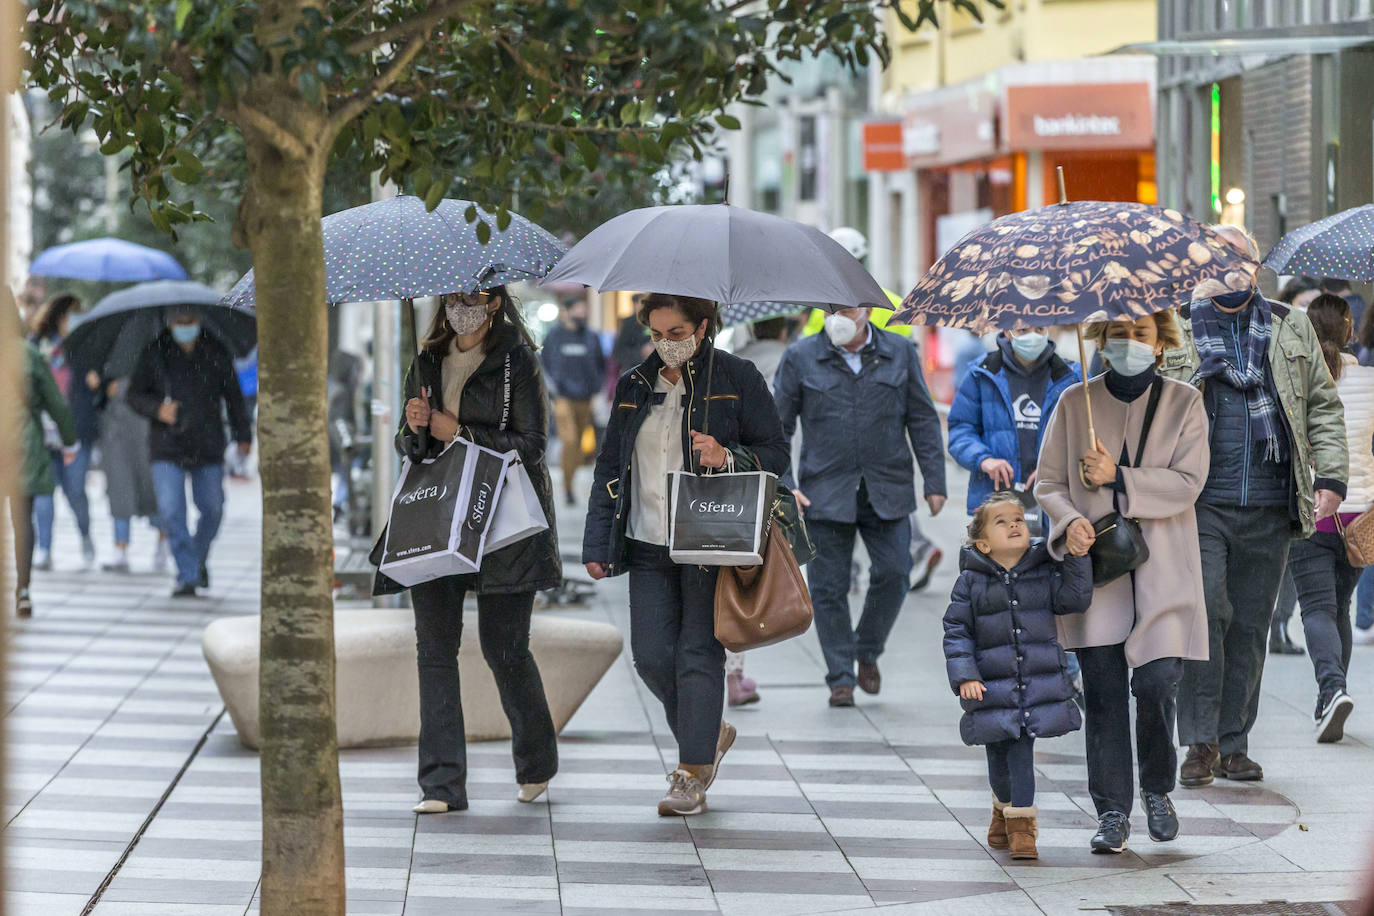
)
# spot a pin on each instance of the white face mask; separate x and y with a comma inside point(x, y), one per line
point(466, 319)
point(1030, 346)
point(841, 329)
point(1128, 357)
point(676, 352)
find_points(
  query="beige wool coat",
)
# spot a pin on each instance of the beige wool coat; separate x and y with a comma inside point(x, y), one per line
point(1162, 614)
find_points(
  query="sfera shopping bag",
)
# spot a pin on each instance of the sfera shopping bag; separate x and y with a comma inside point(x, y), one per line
point(518, 512)
point(719, 519)
point(441, 512)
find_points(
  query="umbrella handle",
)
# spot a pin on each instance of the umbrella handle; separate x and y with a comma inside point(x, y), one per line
point(1088, 404)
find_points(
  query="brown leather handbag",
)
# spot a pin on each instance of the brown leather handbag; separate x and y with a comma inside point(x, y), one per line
point(1358, 537)
point(757, 606)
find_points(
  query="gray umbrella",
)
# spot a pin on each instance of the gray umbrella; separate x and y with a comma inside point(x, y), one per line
point(111, 336)
point(396, 249)
point(719, 252)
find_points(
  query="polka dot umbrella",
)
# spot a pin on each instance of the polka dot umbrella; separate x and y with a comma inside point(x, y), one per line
point(1340, 246)
point(396, 249)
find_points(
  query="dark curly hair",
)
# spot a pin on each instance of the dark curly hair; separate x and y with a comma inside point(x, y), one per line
point(693, 309)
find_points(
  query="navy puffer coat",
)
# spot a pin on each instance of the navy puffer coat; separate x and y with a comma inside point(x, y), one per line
point(1000, 630)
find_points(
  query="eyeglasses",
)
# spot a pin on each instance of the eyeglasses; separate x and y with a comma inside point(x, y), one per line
point(469, 299)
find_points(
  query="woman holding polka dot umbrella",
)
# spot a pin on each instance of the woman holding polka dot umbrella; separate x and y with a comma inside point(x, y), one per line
point(1340, 247)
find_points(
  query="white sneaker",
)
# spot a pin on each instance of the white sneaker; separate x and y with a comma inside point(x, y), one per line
point(1331, 718)
point(42, 560)
point(120, 562)
point(1362, 636)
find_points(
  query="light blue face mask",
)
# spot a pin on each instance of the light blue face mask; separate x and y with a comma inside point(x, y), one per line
point(185, 333)
point(1030, 346)
point(1128, 357)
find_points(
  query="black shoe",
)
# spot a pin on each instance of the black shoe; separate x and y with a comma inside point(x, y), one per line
point(1332, 711)
point(1280, 644)
point(204, 577)
point(1160, 815)
point(1113, 829)
point(570, 499)
point(184, 590)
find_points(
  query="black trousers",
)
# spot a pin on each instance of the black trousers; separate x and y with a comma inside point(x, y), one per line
point(1325, 581)
point(21, 518)
point(503, 626)
point(1011, 770)
point(673, 640)
point(1244, 551)
point(1108, 683)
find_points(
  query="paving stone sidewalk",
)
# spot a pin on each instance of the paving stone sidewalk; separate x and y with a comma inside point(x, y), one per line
point(816, 810)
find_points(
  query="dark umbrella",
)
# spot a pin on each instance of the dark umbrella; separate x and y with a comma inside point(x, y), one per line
point(111, 336)
point(722, 253)
point(746, 312)
point(1340, 246)
point(1071, 263)
point(395, 249)
point(108, 260)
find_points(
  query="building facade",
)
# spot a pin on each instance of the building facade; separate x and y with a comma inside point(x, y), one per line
point(1265, 110)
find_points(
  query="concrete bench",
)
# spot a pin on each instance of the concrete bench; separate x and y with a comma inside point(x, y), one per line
point(378, 692)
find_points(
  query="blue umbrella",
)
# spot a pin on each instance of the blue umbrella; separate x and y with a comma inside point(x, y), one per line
point(1340, 246)
point(396, 249)
point(108, 260)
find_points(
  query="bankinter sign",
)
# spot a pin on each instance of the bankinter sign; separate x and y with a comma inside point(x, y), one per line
point(1080, 116)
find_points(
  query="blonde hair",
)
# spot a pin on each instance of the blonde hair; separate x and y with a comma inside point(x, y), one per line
point(1166, 326)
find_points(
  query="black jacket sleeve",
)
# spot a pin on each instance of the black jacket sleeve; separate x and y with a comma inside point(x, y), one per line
point(923, 429)
point(527, 429)
point(145, 391)
point(596, 534)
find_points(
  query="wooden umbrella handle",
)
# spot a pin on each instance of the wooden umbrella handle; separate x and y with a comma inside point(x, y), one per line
point(1087, 403)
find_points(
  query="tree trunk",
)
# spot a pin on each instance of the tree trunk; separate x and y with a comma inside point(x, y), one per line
point(302, 812)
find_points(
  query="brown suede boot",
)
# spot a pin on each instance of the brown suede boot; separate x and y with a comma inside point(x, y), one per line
point(997, 830)
point(1022, 831)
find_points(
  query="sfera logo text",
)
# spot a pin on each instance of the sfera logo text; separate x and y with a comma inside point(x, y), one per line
point(419, 494)
point(704, 507)
point(481, 497)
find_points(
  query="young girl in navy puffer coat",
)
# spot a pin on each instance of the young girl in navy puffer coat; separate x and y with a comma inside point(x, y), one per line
point(1004, 660)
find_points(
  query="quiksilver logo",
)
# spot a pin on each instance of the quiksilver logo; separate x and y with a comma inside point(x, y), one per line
point(420, 494)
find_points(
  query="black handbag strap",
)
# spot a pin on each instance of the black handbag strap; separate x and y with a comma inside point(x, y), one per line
point(1156, 388)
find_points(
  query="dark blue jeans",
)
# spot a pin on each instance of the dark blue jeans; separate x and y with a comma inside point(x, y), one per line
point(1364, 599)
point(673, 641)
point(887, 542)
point(191, 551)
point(503, 627)
point(71, 478)
point(1011, 770)
point(1325, 581)
point(1108, 683)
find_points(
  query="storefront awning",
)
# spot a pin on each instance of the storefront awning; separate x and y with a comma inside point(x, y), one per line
point(1264, 41)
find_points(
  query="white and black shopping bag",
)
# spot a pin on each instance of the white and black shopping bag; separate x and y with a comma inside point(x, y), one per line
point(441, 513)
point(518, 512)
point(719, 519)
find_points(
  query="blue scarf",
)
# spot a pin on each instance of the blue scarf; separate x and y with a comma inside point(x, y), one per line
point(1251, 377)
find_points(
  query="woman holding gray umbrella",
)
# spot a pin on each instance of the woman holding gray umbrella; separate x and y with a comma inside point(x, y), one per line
point(477, 377)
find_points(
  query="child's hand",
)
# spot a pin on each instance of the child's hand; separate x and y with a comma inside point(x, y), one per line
point(971, 690)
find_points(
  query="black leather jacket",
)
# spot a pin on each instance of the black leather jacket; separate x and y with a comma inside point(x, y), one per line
point(488, 418)
point(743, 418)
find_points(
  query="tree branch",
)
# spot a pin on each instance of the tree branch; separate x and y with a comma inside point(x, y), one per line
point(538, 74)
point(357, 103)
point(254, 120)
point(410, 28)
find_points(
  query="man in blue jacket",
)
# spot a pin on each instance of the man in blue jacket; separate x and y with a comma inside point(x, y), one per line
point(574, 370)
point(863, 406)
point(996, 420)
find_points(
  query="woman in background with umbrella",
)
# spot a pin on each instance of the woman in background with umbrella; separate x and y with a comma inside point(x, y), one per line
point(1149, 463)
point(49, 336)
point(477, 377)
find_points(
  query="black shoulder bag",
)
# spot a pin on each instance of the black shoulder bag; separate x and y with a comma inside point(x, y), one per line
point(1120, 546)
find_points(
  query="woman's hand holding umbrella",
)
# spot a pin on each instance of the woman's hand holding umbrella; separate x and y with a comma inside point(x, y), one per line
point(712, 453)
point(1098, 467)
point(417, 414)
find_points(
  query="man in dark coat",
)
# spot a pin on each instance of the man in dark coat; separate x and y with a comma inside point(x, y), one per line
point(183, 383)
point(575, 370)
point(863, 406)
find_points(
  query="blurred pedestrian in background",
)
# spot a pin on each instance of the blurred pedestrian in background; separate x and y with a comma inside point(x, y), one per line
point(862, 402)
point(50, 326)
point(654, 431)
point(1321, 571)
point(184, 382)
point(1279, 464)
point(1338, 287)
point(42, 399)
point(632, 346)
point(247, 371)
point(575, 370)
point(128, 468)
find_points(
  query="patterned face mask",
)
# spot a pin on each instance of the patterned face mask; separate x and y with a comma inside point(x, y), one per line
point(676, 352)
point(466, 319)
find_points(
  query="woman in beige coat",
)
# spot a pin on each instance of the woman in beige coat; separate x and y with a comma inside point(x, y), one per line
point(1140, 627)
